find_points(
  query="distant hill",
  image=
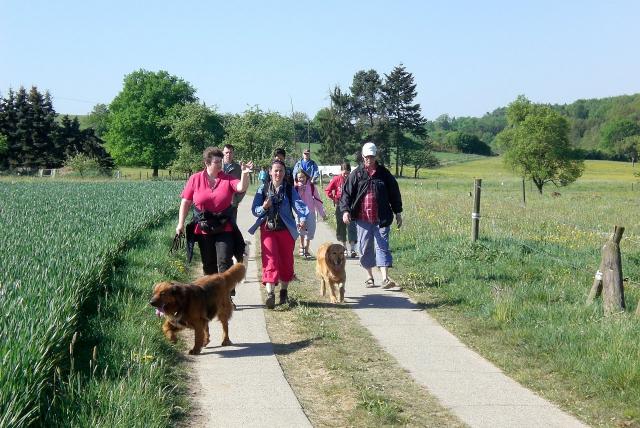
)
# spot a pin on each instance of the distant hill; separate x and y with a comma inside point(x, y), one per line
point(597, 125)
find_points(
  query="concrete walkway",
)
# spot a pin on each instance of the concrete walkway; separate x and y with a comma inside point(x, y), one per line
point(243, 385)
point(471, 387)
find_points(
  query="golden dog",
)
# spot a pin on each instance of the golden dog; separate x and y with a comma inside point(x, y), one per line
point(330, 262)
point(194, 305)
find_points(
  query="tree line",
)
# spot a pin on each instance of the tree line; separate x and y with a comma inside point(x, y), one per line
point(31, 136)
point(157, 121)
point(606, 128)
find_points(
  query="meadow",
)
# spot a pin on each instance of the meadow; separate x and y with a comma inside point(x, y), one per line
point(518, 294)
point(59, 242)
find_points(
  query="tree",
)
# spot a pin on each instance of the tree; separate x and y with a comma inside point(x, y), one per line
point(366, 94)
point(82, 163)
point(419, 154)
point(195, 127)
point(617, 130)
point(4, 146)
point(43, 124)
point(398, 95)
point(256, 134)
point(27, 119)
point(337, 131)
point(138, 133)
point(466, 143)
point(630, 147)
point(536, 144)
point(98, 119)
point(71, 141)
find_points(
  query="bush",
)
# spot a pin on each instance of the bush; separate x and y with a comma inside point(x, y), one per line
point(83, 164)
point(466, 143)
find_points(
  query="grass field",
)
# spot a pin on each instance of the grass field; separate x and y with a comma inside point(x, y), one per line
point(59, 242)
point(518, 294)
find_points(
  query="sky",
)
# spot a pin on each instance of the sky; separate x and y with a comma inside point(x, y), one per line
point(467, 57)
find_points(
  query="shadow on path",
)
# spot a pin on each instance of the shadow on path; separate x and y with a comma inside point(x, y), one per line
point(239, 350)
point(383, 301)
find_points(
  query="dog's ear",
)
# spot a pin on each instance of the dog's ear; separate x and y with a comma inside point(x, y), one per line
point(178, 292)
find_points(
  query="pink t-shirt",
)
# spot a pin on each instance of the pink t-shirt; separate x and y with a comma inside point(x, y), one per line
point(206, 198)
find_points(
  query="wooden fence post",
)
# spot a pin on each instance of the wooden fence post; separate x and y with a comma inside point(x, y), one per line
point(608, 279)
point(524, 194)
point(475, 215)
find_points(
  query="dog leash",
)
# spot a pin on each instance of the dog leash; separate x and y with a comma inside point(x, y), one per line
point(177, 244)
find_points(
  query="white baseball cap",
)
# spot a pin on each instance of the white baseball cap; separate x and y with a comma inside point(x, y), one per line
point(369, 149)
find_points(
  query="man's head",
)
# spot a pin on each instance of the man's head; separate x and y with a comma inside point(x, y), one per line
point(369, 151)
point(227, 153)
point(280, 154)
point(306, 155)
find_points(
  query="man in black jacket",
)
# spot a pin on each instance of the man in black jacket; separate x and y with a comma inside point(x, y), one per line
point(371, 197)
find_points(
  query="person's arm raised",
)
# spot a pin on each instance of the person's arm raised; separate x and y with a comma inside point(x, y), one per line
point(243, 184)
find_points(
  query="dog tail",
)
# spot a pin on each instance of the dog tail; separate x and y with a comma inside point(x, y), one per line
point(234, 275)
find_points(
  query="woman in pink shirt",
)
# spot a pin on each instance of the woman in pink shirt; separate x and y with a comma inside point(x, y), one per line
point(309, 195)
point(211, 192)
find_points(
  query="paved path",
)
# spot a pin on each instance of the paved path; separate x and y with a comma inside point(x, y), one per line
point(464, 382)
point(243, 385)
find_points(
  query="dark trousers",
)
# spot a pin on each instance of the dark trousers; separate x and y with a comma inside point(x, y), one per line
point(345, 230)
point(216, 252)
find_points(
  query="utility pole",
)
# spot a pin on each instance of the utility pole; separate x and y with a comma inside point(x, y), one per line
point(293, 122)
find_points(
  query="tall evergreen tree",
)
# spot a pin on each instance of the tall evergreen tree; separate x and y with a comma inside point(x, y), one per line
point(336, 128)
point(24, 130)
point(43, 124)
point(398, 96)
point(7, 130)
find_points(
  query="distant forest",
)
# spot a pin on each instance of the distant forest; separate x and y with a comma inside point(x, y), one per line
point(175, 127)
point(605, 128)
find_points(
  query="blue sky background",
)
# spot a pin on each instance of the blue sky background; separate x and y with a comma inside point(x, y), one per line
point(467, 57)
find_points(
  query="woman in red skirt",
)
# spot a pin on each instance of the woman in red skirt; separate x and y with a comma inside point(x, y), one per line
point(273, 205)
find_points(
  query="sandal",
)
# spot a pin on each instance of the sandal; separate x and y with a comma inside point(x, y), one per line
point(301, 252)
point(369, 283)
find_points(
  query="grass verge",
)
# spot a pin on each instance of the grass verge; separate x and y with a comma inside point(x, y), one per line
point(122, 372)
point(518, 295)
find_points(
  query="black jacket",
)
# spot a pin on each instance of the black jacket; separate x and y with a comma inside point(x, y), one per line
point(386, 190)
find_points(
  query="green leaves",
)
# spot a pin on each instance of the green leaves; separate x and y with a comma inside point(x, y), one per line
point(255, 134)
point(536, 144)
point(138, 134)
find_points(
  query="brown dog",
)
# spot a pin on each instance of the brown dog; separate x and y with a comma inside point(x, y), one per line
point(330, 262)
point(194, 305)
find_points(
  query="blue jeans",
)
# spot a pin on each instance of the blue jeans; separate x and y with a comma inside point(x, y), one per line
point(373, 242)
